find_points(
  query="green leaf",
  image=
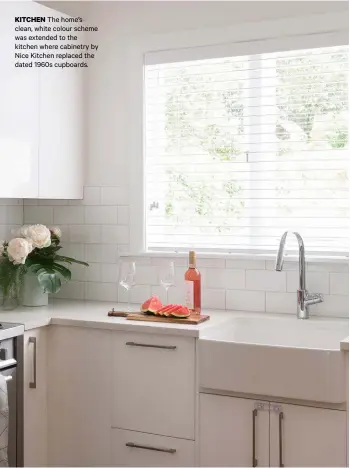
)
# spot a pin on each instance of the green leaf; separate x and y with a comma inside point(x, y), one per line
point(60, 258)
point(50, 282)
point(67, 275)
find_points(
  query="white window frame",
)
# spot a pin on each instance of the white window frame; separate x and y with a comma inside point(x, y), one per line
point(322, 30)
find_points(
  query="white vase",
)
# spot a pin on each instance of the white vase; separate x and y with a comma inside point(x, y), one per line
point(32, 294)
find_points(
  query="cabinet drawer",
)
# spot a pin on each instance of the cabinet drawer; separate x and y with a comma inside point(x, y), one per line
point(154, 384)
point(131, 448)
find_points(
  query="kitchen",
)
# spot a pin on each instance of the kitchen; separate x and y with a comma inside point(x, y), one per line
point(93, 196)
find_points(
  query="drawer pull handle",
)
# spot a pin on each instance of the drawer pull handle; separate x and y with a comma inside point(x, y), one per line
point(254, 461)
point(142, 345)
point(32, 340)
point(280, 424)
point(148, 447)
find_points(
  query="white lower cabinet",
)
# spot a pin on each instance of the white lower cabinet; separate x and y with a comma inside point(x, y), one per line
point(35, 397)
point(232, 432)
point(154, 384)
point(243, 432)
point(304, 436)
point(79, 396)
point(130, 448)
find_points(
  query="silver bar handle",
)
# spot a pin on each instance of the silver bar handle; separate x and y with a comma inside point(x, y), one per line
point(254, 461)
point(149, 447)
point(32, 339)
point(280, 437)
point(8, 378)
point(142, 345)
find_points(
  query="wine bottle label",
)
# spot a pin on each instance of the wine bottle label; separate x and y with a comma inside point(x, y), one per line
point(189, 294)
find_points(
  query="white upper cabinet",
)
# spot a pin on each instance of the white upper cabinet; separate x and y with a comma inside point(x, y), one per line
point(41, 116)
point(61, 170)
point(19, 112)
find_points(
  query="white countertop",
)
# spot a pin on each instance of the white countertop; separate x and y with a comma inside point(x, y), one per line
point(93, 314)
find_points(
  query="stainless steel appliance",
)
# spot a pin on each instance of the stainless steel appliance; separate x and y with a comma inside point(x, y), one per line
point(11, 367)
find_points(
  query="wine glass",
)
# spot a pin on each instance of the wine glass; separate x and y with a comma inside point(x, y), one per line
point(127, 271)
point(167, 277)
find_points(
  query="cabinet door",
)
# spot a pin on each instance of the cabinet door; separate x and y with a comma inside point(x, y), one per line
point(131, 448)
point(35, 398)
point(61, 170)
point(307, 437)
point(232, 431)
point(154, 384)
point(19, 109)
point(79, 396)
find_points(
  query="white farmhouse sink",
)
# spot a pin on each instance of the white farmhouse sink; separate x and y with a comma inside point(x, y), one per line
point(280, 357)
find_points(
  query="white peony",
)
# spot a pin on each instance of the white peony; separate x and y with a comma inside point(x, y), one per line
point(2, 248)
point(37, 233)
point(19, 249)
point(57, 232)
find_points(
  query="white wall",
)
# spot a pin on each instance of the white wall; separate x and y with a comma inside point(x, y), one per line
point(98, 230)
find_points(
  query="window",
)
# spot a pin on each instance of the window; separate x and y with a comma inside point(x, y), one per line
point(240, 149)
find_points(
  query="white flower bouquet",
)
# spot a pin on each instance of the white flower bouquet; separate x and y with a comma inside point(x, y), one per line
point(35, 250)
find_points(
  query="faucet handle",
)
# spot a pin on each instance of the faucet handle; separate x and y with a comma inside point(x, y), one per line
point(313, 298)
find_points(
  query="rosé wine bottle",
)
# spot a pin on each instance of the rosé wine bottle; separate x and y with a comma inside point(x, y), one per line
point(193, 285)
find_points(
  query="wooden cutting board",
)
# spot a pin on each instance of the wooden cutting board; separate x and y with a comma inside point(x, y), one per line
point(191, 320)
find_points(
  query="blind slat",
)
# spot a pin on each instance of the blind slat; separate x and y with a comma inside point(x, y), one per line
point(239, 149)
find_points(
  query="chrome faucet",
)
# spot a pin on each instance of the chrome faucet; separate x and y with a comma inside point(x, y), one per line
point(304, 298)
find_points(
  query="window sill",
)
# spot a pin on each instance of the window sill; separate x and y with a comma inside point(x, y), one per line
point(240, 256)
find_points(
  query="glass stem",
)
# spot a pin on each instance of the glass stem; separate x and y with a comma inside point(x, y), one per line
point(128, 306)
point(167, 294)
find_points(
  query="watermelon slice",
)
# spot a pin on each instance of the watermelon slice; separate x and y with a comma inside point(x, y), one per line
point(165, 310)
point(173, 308)
point(180, 312)
point(152, 305)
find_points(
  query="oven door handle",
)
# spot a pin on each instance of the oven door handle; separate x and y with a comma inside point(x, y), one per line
point(8, 378)
point(32, 339)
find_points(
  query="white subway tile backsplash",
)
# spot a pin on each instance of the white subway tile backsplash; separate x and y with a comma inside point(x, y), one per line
point(123, 215)
point(252, 301)
point(271, 265)
point(101, 253)
point(146, 274)
point(266, 280)
point(138, 294)
point(68, 214)
point(92, 196)
point(213, 298)
point(85, 234)
point(97, 229)
point(336, 267)
point(11, 201)
point(107, 292)
point(101, 215)
point(333, 305)
point(317, 282)
point(71, 290)
point(76, 251)
point(39, 215)
point(115, 234)
point(210, 263)
point(224, 278)
point(52, 202)
point(114, 196)
point(109, 272)
point(178, 261)
point(238, 264)
point(83, 273)
point(339, 283)
point(281, 303)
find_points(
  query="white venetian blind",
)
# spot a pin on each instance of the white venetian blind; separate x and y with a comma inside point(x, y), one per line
point(240, 149)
